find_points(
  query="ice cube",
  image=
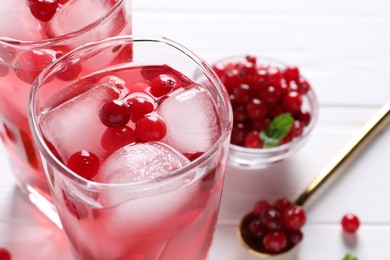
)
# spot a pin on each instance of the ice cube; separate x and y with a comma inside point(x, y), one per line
point(76, 15)
point(75, 125)
point(17, 22)
point(140, 162)
point(191, 120)
point(145, 214)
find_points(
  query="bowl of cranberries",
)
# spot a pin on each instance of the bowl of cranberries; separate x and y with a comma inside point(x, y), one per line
point(274, 109)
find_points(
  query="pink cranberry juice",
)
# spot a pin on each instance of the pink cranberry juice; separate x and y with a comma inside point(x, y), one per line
point(130, 126)
point(37, 21)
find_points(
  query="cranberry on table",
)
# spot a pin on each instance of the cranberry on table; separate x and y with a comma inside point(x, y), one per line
point(350, 223)
point(5, 254)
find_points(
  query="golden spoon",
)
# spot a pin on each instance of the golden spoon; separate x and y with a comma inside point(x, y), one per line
point(339, 162)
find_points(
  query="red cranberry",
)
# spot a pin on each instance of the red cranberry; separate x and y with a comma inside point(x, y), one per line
point(31, 63)
point(5, 254)
point(271, 219)
point(294, 218)
point(116, 137)
point(275, 241)
point(305, 118)
point(242, 93)
point(271, 94)
point(274, 76)
point(139, 106)
point(163, 84)
point(231, 79)
point(43, 10)
point(350, 223)
point(292, 102)
point(303, 86)
point(294, 236)
point(150, 128)
point(260, 206)
point(255, 229)
point(62, 2)
point(239, 114)
point(291, 74)
point(238, 134)
point(252, 140)
point(69, 72)
point(84, 163)
point(256, 109)
point(259, 79)
point(282, 204)
point(297, 128)
point(114, 113)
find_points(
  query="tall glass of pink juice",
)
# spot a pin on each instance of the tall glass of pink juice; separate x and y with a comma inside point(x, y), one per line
point(134, 148)
point(33, 33)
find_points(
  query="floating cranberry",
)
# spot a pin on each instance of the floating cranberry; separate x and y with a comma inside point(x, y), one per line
point(163, 84)
point(114, 113)
point(62, 2)
point(294, 218)
point(150, 128)
point(139, 106)
point(31, 63)
point(5, 254)
point(84, 163)
point(350, 223)
point(114, 138)
point(275, 241)
point(69, 72)
point(43, 10)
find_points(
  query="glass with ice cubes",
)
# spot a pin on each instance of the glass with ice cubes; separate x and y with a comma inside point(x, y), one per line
point(33, 33)
point(134, 150)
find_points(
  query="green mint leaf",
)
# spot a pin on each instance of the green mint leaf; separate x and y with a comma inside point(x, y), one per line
point(277, 130)
point(349, 256)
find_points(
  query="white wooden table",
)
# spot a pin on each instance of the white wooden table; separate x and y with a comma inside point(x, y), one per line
point(343, 48)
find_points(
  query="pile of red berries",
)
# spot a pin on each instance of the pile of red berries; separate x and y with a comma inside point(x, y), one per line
point(274, 228)
point(259, 93)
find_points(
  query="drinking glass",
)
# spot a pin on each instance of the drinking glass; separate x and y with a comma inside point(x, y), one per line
point(32, 35)
point(135, 194)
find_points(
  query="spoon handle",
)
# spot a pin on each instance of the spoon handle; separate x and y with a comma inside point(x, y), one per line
point(349, 151)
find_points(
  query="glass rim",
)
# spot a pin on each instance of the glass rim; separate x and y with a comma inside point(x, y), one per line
point(113, 41)
point(74, 34)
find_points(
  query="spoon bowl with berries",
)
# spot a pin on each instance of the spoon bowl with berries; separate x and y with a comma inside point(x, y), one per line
point(274, 109)
point(274, 229)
